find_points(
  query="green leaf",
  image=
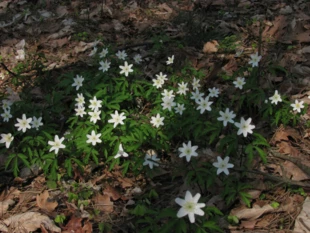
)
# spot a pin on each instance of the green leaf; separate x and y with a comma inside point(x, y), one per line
point(262, 154)
point(211, 225)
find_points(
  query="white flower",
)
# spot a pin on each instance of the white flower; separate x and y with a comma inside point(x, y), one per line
point(7, 139)
point(197, 96)
point(78, 82)
point(6, 115)
point(157, 121)
point(190, 206)
point(103, 53)
point(239, 82)
point(254, 59)
point(150, 160)
point(214, 92)
point(95, 115)
point(21, 54)
point(93, 52)
point(56, 144)
point(168, 94)
point(179, 108)
point(182, 88)
point(226, 116)
point(117, 118)
point(95, 104)
point(222, 165)
point(104, 66)
point(188, 151)
point(275, 98)
point(126, 69)
point(161, 77)
point(121, 152)
point(157, 83)
point(93, 138)
point(121, 55)
point(80, 111)
point(298, 105)
point(80, 100)
point(6, 104)
point(170, 60)
point(168, 103)
point(137, 58)
point(195, 83)
point(245, 127)
point(23, 124)
point(204, 104)
point(36, 122)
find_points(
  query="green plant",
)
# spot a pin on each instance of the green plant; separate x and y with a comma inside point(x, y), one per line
point(112, 113)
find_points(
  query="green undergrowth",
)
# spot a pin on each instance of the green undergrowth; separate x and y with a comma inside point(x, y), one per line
point(136, 116)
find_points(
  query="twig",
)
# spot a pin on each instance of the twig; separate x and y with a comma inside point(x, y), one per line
point(6, 68)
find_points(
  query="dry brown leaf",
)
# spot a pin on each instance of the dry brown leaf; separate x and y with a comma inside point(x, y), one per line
point(303, 37)
point(210, 47)
point(4, 205)
point(293, 172)
point(88, 227)
point(103, 203)
point(283, 134)
point(44, 202)
point(29, 221)
point(74, 225)
point(165, 7)
point(251, 213)
point(231, 66)
point(287, 148)
point(249, 224)
point(302, 223)
point(112, 192)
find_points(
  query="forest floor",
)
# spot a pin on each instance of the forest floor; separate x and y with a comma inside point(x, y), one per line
point(64, 33)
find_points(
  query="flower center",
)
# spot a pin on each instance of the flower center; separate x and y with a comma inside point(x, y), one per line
point(189, 206)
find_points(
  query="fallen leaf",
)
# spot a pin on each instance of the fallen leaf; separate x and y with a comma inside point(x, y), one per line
point(287, 148)
point(210, 47)
point(74, 225)
point(4, 205)
point(112, 192)
point(251, 213)
point(302, 223)
point(88, 227)
point(29, 221)
point(103, 203)
point(44, 202)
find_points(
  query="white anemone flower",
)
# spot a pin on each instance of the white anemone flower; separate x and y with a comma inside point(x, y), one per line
point(78, 82)
point(170, 60)
point(297, 106)
point(222, 165)
point(188, 151)
point(56, 144)
point(7, 139)
point(150, 160)
point(255, 59)
point(104, 66)
point(157, 121)
point(190, 206)
point(226, 117)
point(93, 138)
point(275, 98)
point(23, 123)
point(245, 127)
point(126, 69)
point(117, 118)
point(121, 152)
point(239, 83)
